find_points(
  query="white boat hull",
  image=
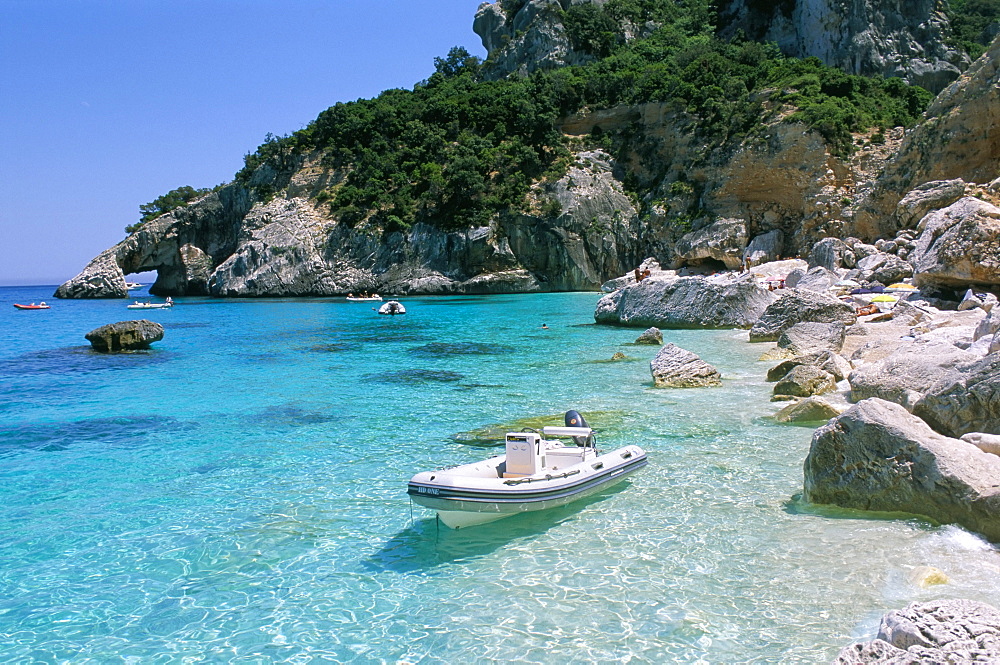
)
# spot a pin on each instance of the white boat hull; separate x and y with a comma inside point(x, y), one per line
point(479, 493)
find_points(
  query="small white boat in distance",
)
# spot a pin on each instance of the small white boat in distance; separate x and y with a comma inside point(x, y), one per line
point(152, 305)
point(372, 298)
point(534, 474)
point(131, 286)
point(392, 307)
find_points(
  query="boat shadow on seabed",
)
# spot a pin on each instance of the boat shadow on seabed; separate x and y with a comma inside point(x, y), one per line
point(426, 543)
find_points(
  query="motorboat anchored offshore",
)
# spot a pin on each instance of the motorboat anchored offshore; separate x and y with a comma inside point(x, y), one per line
point(392, 307)
point(535, 473)
point(152, 305)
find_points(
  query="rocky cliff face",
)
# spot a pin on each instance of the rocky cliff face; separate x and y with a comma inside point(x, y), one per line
point(521, 37)
point(904, 38)
point(228, 244)
point(959, 139)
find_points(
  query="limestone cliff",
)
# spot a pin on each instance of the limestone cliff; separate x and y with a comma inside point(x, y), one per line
point(959, 139)
point(228, 244)
point(904, 38)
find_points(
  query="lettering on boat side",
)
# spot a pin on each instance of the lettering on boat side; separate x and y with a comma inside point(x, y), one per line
point(428, 490)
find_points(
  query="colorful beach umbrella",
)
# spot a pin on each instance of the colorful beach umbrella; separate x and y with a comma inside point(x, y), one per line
point(885, 298)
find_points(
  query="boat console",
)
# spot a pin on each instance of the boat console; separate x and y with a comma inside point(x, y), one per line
point(525, 454)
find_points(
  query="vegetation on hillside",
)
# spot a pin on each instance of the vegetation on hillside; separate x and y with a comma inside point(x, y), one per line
point(172, 200)
point(975, 24)
point(456, 150)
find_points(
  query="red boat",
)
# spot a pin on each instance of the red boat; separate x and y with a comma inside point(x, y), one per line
point(32, 306)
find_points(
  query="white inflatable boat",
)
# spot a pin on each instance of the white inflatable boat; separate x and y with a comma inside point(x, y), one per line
point(535, 474)
point(392, 308)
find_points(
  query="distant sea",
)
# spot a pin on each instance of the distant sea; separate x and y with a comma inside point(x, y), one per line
point(238, 494)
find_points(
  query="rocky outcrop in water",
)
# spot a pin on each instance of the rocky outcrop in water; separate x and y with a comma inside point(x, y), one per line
point(125, 336)
point(674, 367)
point(685, 302)
point(878, 456)
point(905, 39)
point(651, 336)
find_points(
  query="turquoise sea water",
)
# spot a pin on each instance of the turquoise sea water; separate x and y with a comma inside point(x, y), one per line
point(238, 494)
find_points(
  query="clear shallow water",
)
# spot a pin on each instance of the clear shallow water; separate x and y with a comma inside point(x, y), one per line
point(238, 494)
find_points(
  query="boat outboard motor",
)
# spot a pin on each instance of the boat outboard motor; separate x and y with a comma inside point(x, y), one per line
point(574, 419)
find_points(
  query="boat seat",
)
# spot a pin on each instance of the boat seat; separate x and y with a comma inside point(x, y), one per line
point(560, 458)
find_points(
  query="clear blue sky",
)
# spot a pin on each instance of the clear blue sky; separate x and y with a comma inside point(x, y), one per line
point(107, 104)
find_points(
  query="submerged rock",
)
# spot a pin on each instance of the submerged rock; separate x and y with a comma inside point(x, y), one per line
point(674, 367)
point(651, 336)
point(125, 336)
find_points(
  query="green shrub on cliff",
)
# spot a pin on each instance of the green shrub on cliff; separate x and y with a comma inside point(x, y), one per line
point(975, 23)
point(172, 200)
point(456, 150)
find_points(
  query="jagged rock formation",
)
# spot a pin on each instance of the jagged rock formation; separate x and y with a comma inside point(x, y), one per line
point(940, 631)
point(781, 191)
point(522, 36)
point(904, 38)
point(960, 138)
